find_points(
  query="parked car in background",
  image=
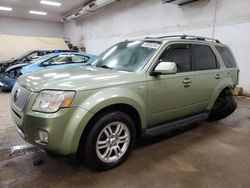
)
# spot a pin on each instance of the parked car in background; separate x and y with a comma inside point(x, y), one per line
point(51, 61)
point(28, 57)
point(56, 60)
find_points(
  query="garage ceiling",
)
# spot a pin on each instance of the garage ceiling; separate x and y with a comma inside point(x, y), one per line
point(21, 9)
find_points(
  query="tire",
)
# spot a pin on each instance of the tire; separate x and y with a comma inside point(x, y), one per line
point(224, 106)
point(104, 150)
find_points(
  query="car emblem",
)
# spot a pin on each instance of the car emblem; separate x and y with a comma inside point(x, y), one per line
point(16, 94)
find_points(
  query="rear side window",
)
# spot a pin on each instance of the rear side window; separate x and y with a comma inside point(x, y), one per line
point(204, 58)
point(180, 54)
point(226, 56)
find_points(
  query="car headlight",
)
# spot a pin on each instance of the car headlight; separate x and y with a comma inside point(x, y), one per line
point(52, 101)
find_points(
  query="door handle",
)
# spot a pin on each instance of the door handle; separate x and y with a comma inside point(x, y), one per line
point(218, 76)
point(187, 81)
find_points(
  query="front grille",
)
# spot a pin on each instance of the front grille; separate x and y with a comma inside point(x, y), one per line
point(19, 96)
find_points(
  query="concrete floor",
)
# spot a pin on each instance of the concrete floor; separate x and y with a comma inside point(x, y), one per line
point(204, 155)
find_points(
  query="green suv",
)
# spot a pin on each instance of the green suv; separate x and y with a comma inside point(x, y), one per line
point(135, 88)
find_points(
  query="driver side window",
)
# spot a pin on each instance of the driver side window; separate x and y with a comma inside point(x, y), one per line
point(179, 54)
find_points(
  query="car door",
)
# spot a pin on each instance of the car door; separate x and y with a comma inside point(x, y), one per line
point(171, 96)
point(206, 76)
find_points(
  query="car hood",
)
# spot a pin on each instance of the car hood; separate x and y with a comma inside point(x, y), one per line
point(77, 78)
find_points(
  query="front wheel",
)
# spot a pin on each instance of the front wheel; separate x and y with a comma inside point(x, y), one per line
point(109, 141)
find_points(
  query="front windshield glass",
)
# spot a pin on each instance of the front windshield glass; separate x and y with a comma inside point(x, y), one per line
point(127, 56)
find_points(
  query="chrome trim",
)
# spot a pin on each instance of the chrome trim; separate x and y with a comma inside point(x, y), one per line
point(18, 101)
point(19, 97)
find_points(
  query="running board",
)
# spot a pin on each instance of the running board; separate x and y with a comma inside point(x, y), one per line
point(162, 128)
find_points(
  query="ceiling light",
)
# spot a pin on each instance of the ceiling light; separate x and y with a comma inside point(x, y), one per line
point(37, 12)
point(6, 8)
point(52, 3)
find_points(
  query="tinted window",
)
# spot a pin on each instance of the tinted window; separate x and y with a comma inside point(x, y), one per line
point(180, 54)
point(227, 57)
point(204, 58)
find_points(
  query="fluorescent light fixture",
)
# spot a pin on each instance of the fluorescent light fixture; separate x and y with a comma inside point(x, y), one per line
point(52, 3)
point(37, 12)
point(6, 8)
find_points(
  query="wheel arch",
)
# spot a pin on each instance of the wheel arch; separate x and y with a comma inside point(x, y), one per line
point(217, 93)
point(123, 107)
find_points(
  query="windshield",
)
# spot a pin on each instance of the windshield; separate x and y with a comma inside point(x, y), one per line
point(127, 56)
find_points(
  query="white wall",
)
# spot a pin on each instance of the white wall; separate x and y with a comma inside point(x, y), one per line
point(26, 27)
point(227, 20)
point(72, 30)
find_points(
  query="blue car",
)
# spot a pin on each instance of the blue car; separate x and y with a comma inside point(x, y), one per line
point(51, 61)
point(57, 60)
point(28, 57)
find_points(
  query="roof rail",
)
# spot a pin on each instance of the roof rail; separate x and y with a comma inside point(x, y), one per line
point(190, 37)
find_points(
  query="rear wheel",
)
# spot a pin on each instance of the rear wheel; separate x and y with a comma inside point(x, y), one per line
point(224, 106)
point(110, 140)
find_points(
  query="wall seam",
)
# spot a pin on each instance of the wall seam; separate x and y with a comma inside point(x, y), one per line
point(215, 16)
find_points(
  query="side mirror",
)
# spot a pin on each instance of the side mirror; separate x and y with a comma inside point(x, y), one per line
point(164, 68)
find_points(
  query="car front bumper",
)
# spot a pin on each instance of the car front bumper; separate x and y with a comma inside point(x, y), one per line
point(64, 128)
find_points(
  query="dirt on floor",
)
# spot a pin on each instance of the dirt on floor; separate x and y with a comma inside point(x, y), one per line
point(207, 154)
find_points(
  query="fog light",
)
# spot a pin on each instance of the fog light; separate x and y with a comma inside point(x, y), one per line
point(1, 84)
point(43, 136)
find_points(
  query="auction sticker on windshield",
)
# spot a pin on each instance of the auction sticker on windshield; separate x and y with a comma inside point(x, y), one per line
point(150, 45)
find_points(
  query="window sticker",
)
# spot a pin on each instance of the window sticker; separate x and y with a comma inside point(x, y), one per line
point(150, 45)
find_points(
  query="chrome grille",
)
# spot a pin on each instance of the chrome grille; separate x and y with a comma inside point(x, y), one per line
point(19, 97)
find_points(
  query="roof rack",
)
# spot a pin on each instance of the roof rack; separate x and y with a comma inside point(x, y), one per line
point(190, 37)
